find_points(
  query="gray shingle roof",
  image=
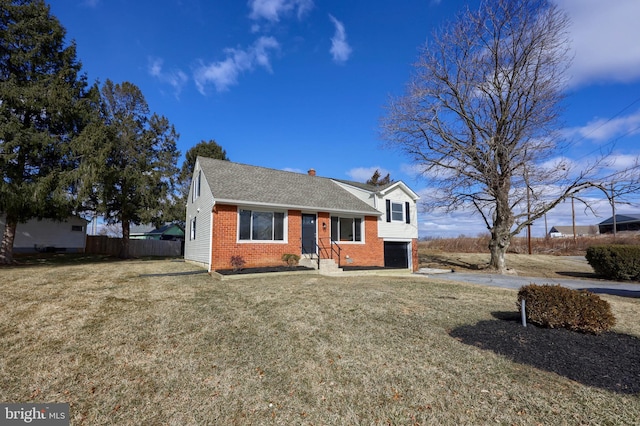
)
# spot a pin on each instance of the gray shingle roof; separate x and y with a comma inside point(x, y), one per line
point(244, 184)
point(366, 186)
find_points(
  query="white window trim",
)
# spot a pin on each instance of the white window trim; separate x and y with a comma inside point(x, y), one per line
point(285, 226)
point(402, 211)
point(362, 229)
point(195, 192)
point(193, 229)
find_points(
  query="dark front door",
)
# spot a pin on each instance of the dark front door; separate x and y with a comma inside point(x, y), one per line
point(308, 233)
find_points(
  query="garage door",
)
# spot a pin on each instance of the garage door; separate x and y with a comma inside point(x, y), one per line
point(396, 255)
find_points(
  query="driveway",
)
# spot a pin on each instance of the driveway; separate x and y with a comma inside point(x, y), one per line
point(615, 288)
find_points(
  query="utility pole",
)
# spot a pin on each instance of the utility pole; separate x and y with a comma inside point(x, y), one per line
point(546, 230)
point(526, 181)
point(573, 218)
point(613, 211)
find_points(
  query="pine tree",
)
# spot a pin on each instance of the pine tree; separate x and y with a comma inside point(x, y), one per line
point(42, 107)
point(129, 167)
point(376, 181)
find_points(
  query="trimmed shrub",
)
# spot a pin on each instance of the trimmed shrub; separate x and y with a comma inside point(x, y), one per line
point(555, 306)
point(615, 261)
point(237, 262)
point(290, 259)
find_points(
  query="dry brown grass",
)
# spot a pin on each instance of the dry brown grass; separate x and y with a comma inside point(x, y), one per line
point(551, 258)
point(137, 343)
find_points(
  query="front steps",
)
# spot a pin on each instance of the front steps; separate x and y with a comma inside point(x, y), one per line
point(327, 266)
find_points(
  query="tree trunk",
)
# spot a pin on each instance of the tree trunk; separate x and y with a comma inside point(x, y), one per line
point(124, 250)
point(500, 235)
point(498, 246)
point(9, 235)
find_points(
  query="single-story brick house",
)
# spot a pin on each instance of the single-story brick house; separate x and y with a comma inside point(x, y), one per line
point(260, 214)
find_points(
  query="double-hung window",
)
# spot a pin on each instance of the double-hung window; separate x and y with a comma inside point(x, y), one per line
point(346, 229)
point(398, 211)
point(195, 193)
point(256, 225)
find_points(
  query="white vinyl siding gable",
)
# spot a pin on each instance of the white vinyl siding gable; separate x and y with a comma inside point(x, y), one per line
point(197, 245)
point(395, 223)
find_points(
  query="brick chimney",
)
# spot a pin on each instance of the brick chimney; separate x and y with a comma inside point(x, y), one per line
point(311, 172)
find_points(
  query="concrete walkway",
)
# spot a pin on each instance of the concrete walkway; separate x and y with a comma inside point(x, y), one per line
point(624, 289)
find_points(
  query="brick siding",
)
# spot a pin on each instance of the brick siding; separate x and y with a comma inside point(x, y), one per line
point(224, 241)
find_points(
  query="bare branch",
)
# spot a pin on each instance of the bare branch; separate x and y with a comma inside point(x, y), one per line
point(481, 117)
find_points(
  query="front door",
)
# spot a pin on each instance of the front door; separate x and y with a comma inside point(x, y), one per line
point(308, 233)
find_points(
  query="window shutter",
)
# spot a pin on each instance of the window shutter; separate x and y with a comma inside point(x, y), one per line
point(388, 210)
point(407, 212)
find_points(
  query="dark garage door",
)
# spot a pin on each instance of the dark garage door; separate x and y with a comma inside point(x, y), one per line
point(396, 255)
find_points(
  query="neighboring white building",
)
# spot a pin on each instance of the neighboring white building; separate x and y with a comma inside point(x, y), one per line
point(36, 235)
point(567, 231)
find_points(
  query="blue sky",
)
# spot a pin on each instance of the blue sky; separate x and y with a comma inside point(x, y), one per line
point(299, 84)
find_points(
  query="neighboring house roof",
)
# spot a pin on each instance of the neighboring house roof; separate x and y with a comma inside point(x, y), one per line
point(141, 229)
point(621, 218)
point(147, 229)
point(236, 183)
point(580, 229)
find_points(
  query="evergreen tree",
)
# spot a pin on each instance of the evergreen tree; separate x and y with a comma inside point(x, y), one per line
point(376, 181)
point(129, 167)
point(42, 108)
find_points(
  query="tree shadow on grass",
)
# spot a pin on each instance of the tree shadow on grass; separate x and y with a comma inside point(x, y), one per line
point(608, 361)
point(443, 261)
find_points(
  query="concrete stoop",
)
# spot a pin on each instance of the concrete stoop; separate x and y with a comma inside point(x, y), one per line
point(327, 266)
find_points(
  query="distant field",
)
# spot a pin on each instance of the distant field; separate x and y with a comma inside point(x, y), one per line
point(520, 245)
point(550, 258)
point(160, 342)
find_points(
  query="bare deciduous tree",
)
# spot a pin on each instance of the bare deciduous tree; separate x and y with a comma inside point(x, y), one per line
point(481, 117)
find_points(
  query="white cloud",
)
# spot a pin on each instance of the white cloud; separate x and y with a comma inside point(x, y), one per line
point(605, 38)
point(363, 174)
point(91, 3)
point(272, 10)
point(621, 162)
point(603, 130)
point(177, 79)
point(340, 49)
point(223, 74)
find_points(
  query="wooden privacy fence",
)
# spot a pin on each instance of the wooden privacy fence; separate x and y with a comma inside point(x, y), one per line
point(100, 244)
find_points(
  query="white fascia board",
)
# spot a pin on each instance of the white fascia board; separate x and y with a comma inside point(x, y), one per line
point(293, 207)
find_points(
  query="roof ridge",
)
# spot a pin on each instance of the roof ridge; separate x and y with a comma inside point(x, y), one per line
point(266, 168)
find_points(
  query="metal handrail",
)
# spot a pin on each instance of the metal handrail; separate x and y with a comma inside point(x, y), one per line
point(327, 253)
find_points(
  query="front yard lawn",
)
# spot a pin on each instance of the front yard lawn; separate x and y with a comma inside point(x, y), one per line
point(148, 342)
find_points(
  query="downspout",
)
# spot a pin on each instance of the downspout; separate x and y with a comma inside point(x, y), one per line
point(211, 238)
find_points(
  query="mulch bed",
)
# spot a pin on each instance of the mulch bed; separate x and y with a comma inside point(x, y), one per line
point(608, 361)
point(263, 270)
